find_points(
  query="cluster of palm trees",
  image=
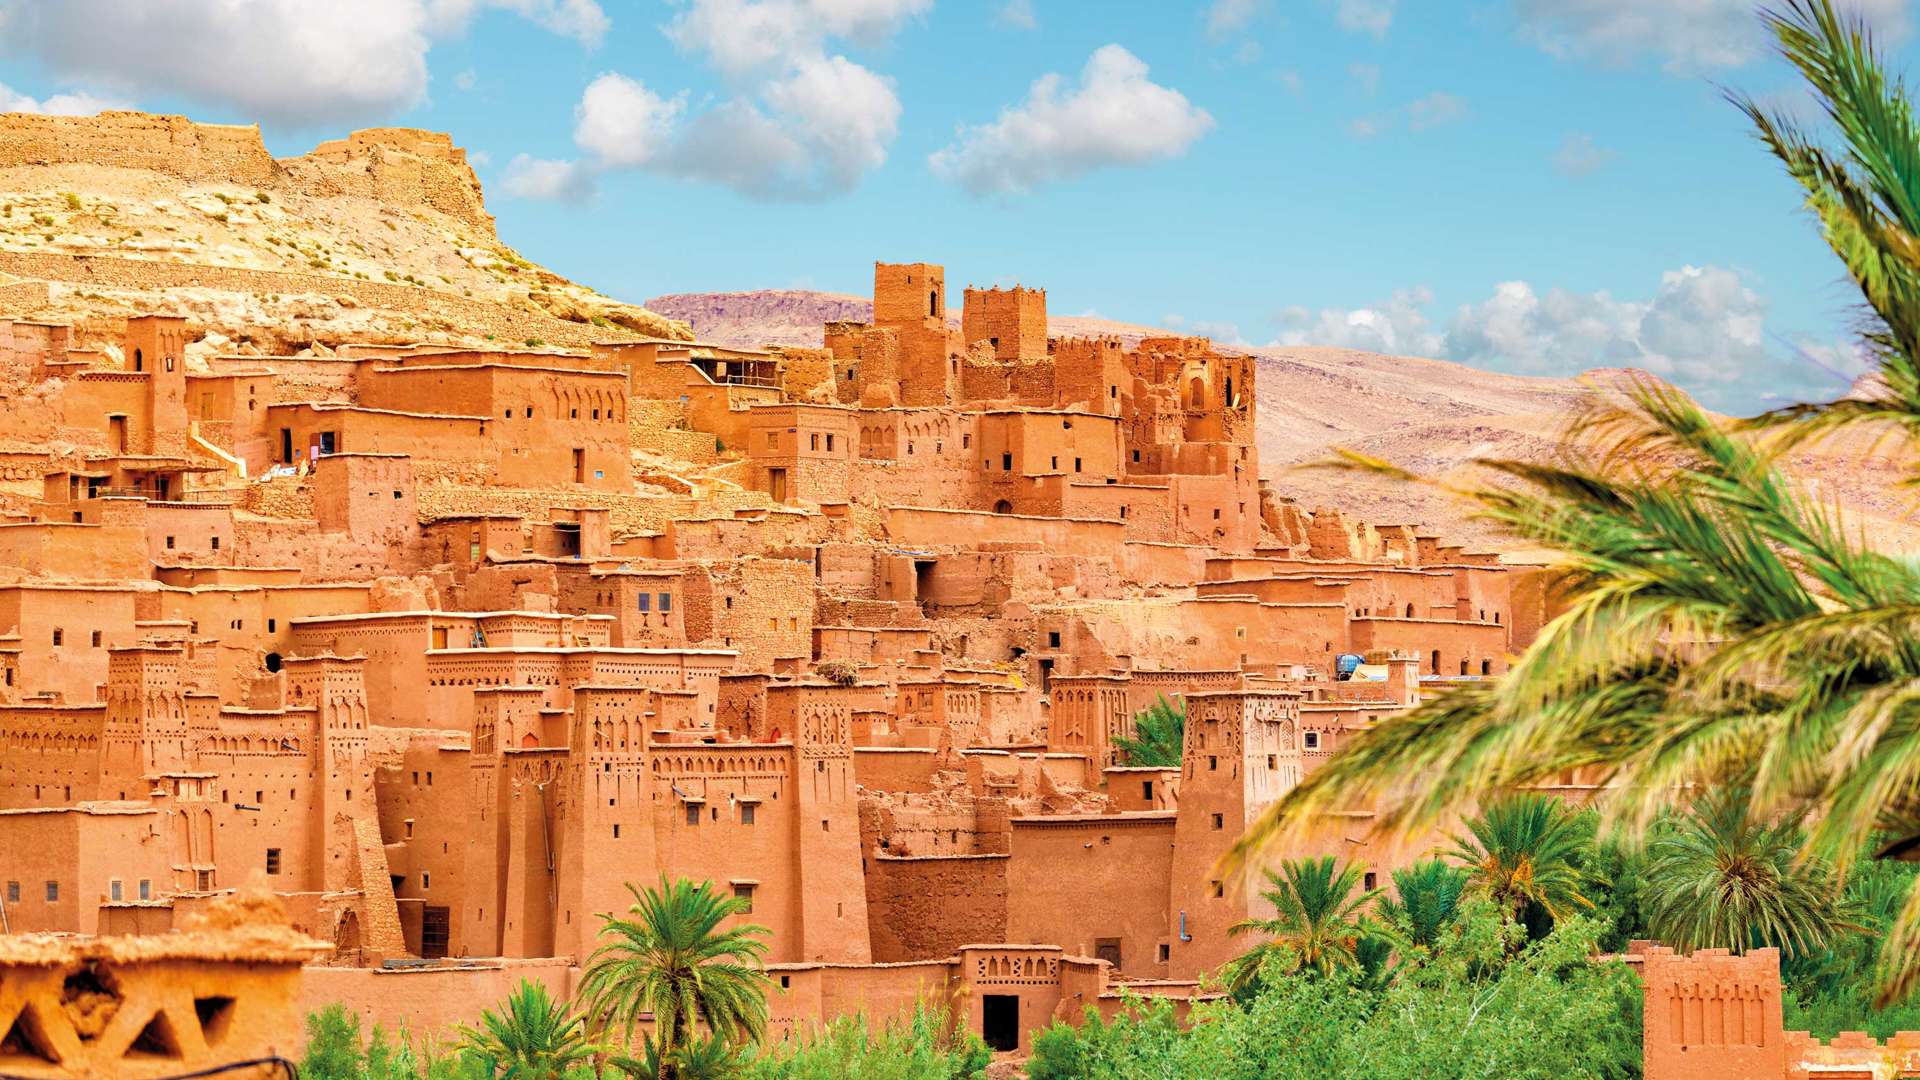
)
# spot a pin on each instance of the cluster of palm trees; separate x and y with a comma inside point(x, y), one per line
point(1721, 630)
point(1710, 877)
point(671, 961)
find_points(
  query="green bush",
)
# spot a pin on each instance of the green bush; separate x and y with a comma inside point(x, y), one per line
point(926, 1046)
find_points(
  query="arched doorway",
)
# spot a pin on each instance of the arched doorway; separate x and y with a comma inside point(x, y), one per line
point(1003, 507)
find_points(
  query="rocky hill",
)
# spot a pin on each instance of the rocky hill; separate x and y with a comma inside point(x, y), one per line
point(1432, 416)
point(381, 236)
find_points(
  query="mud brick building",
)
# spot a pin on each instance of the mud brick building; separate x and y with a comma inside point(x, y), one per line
point(445, 646)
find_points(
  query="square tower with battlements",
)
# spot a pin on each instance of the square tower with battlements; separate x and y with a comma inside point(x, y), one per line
point(911, 300)
point(1012, 321)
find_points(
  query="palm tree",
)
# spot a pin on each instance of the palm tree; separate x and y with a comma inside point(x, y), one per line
point(1428, 898)
point(534, 1039)
point(1318, 922)
point(672, 958)
point(1720, 628)
point(1158, 732)
point(696, 1059)
point(1721, 879)
point(1524, 850)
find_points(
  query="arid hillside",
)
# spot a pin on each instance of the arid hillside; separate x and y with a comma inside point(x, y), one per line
point(1432, 416)
point(381, 236)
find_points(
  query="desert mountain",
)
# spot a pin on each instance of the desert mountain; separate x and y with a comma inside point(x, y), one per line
point(381, 236)
point(1432, 416)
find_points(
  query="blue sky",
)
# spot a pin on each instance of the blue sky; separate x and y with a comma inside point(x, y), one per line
point(1541, 186)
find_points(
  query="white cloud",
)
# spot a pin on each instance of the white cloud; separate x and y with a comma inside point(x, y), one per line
point(1116, 116)
point(1435, 110)
point(479, 159)
point(1397, 326)
point(1366, 75)
point(466, 80)
point(801, 123)
point(542, 178)
point(292, 62)
point(79, 103)
point(622, 122)
point(1687, 38)
point(1017, 15)
point(1580, 156)
point(1226, 18)
point(582, 20)
point(1703, 328)
point(747, 38)
point(1365, 16)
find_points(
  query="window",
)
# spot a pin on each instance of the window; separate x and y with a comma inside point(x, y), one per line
point(272, 624)
point(53, 892)
point(409, 824)
point(693, 813)
point(1213, 763)
point(1076, 464)
point(829, 442)
point(1370, 881)
point(746, 813)
point(1146, 790)
point(1166, 952)
point(1006, 462)
point(666, 602)
point(744, 893)
point(146, 889)
point(1053, 639)
point(215, 543)
point(1311, 740)
point(113, 890)
point(59, 637)
point(273, 860)
point(646, 601)
point(1486, 667)
point(1271, 763)
point(96, 639)
point(426, 881)
point(1219, 821)
point(1219, 889)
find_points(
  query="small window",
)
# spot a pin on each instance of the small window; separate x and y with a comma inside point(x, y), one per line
point(693, 813)
point(214, 543)
point(666, 602)
point(1146, 790)
point(13, 892)
point(273, 860)
point(1053, 639)
point(646, 601)
point(113, 890)
point(813, 441)
point(1219, 821)
point(96, 639)
point(746, 813)
point(408, 825)
point(1219, 889)
point(1370, 881)
point(169, 543)
point(1311, 740)
point(744, 894)
point(616, 832)
point(53, 892)
point(1213, 763)
point(1166, 952)
point(426, 881)
point(1271, 763)
point(146, 888)
point(272, 624)
point(59, 637)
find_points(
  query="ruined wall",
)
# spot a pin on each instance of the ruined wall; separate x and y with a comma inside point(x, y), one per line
point(172, 145)
point(923, 907)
